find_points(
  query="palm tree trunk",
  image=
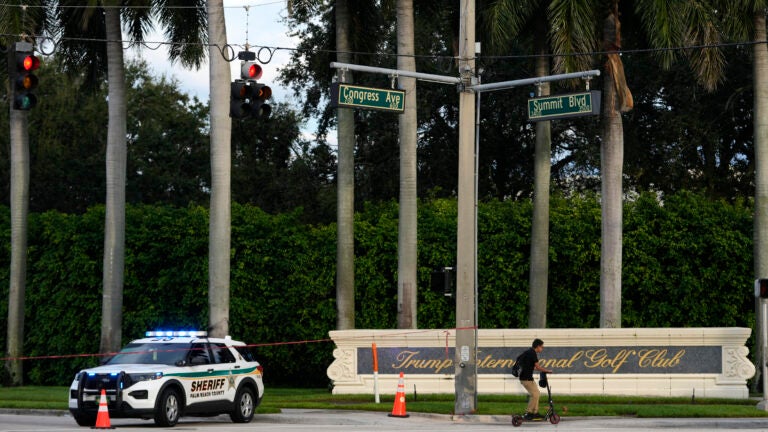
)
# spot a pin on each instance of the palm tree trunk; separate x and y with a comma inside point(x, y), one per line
point(539, 273)
point(19, 214)
point(114, 226)
point(760, 102)
point(611, 165)
point(408, 214)
point(345, 206)
point(221, 166)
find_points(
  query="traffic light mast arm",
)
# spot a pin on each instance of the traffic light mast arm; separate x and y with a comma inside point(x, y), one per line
point(457, 80)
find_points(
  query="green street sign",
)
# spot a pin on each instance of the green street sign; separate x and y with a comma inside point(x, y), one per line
point(351, 96)
point(564, 106)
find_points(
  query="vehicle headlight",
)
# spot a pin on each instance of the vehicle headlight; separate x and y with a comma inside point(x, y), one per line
point(147, 376)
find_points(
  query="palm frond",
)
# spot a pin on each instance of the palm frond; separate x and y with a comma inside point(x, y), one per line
point(572, 34)
point(505, 19)
point(186, 28)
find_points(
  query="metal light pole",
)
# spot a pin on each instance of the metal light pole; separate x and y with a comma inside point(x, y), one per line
point(763, 404)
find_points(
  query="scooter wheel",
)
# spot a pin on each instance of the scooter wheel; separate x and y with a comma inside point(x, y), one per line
point(517, 420)
point(554, 418)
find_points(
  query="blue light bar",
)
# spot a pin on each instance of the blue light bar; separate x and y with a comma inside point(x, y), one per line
point(176, 333)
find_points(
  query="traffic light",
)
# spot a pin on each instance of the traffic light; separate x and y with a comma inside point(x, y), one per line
point(24, 80)
point(250, 71)
point(761, 288)
point(241, 97)
point(259, 107)
point(444, 279)
point(248, 96)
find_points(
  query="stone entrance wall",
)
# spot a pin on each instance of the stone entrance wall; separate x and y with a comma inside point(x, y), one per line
point(689, 362)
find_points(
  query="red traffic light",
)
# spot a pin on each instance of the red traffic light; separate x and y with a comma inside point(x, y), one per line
point(27, 62)
point(250, 70)
point(24, 81)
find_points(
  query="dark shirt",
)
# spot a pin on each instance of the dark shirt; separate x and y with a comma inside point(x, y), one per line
point(528, 360)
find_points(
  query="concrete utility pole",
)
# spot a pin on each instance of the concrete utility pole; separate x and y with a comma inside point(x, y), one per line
point(465, 357)
point(466, 299)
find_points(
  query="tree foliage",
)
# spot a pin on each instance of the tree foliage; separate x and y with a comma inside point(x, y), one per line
point(687, 261)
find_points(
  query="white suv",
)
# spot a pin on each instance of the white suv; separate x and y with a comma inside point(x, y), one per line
point(170, 374)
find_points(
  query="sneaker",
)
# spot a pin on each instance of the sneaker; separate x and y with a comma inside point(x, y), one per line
point(528, 416)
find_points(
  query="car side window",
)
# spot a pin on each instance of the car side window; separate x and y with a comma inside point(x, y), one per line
point(222, 354)
point(198, 354)
point(247, 353)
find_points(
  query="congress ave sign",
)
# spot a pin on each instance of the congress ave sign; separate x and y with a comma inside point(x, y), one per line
point(351, 96)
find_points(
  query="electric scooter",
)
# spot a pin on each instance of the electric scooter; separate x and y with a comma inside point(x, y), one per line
point(551, 416)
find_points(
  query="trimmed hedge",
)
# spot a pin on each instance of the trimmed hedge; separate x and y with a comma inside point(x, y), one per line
point(687, 262)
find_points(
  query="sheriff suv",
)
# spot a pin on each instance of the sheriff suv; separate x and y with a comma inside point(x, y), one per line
point(167, 375)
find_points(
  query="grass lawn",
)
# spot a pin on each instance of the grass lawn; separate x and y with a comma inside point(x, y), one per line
point(275, 399)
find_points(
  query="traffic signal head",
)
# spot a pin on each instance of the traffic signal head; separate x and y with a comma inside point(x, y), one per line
point(248, 99)
point(761, 288)
point(260, 107)
point(241, 94)
point(25, 81)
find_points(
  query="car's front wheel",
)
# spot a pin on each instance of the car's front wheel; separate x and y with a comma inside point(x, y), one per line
point(244, 406)
point(85, 419)
point(168, 409)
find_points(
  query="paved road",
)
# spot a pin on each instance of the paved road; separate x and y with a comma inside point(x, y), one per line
point(323, 420)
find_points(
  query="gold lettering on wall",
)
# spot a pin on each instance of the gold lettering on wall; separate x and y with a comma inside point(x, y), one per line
point(592, 360)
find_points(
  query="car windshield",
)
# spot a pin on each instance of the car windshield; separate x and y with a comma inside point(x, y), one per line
point(150, 353)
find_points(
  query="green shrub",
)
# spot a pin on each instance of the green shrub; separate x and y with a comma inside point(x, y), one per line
point(687, 262)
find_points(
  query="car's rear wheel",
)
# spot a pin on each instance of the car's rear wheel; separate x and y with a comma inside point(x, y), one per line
point(168, 409)
point(244, 406)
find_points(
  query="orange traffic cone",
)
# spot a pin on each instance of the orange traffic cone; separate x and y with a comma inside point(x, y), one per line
point(102, 418)
point(398, 409)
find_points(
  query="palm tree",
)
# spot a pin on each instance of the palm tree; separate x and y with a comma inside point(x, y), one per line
point(221, 169)
point(183, 25)
point(407, 218)
point(668, 24)
point(345, 217)
point(745, 19)
point(15, 20)
point(507, 20)
point(539, 272)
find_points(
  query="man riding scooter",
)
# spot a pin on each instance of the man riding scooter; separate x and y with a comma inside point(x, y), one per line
point(529, 361)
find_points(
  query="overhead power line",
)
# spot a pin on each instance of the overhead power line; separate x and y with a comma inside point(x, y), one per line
point(268, 52)
point(86, 6)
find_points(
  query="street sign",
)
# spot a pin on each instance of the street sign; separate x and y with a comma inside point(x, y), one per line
point(351, 96)
point(564, 106)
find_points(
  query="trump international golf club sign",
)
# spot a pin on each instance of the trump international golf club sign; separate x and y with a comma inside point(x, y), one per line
point(699, 362)
point(567, 360)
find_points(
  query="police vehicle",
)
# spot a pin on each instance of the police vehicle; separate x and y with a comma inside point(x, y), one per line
point(167, 375)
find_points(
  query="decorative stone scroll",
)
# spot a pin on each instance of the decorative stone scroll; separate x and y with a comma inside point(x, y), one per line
point(694, 362)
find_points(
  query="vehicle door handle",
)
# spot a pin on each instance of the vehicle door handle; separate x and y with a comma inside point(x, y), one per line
point(210, 370)
point(237, 367)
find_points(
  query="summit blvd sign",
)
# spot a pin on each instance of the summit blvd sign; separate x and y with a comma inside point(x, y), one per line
point(564, 106)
